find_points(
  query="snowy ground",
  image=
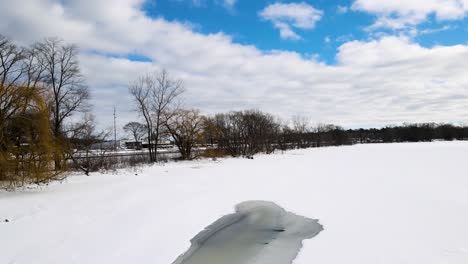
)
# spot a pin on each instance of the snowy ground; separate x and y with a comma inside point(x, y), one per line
point(397, 203)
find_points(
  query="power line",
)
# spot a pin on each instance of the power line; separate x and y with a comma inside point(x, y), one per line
point(115, 130)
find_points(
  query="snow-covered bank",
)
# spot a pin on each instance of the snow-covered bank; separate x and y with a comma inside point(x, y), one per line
point(396, 203)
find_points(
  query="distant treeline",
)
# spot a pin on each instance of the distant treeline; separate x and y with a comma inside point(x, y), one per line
point(410, 133)
point(245, 133)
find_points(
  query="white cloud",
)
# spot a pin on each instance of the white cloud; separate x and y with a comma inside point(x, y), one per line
point(197, 2)
point(390, 80)
point(286, 16)
point(434, 30)
point(342, 9)
point(345, 38)
point(230, 2)
point(402, 14)
point(327, 39)
point(286, 32)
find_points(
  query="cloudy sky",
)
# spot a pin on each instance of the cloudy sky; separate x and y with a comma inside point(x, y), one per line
point(353, 63)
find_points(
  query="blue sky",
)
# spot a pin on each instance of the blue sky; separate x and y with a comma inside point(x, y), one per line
point(353, 63)
point(338, 24)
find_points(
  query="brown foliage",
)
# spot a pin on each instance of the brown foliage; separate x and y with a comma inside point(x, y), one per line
point(27, 144)
point(29, 147)
point(185, 127)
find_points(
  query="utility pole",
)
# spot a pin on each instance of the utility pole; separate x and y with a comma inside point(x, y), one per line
point(115, 131)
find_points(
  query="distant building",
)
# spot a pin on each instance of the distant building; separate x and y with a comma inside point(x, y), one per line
point(134, 145)
point(106, 145)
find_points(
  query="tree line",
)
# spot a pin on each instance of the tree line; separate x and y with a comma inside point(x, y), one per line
point(411, 132)
point(246, 133)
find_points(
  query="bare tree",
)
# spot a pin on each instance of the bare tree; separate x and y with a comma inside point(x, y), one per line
point(64, 83)
point(136, 129)
point(320, 130)
point(210, 131)
point(141, 90)
point(246, 132)
point(156, 98)
point(34, 68)
point(86, 150)
point(20, 74)
point(301, 128)
point(300, 123)
point(63, 79)
point(11, 58)
point(164, 95)
point(12, 95)
point(185, 127)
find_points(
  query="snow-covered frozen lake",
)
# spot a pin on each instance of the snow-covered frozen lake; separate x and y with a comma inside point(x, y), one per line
point(383, 203)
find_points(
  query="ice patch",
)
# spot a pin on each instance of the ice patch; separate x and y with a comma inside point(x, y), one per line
point(259, 232)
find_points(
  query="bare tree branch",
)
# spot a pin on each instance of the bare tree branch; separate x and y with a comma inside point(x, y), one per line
point(156, 99)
